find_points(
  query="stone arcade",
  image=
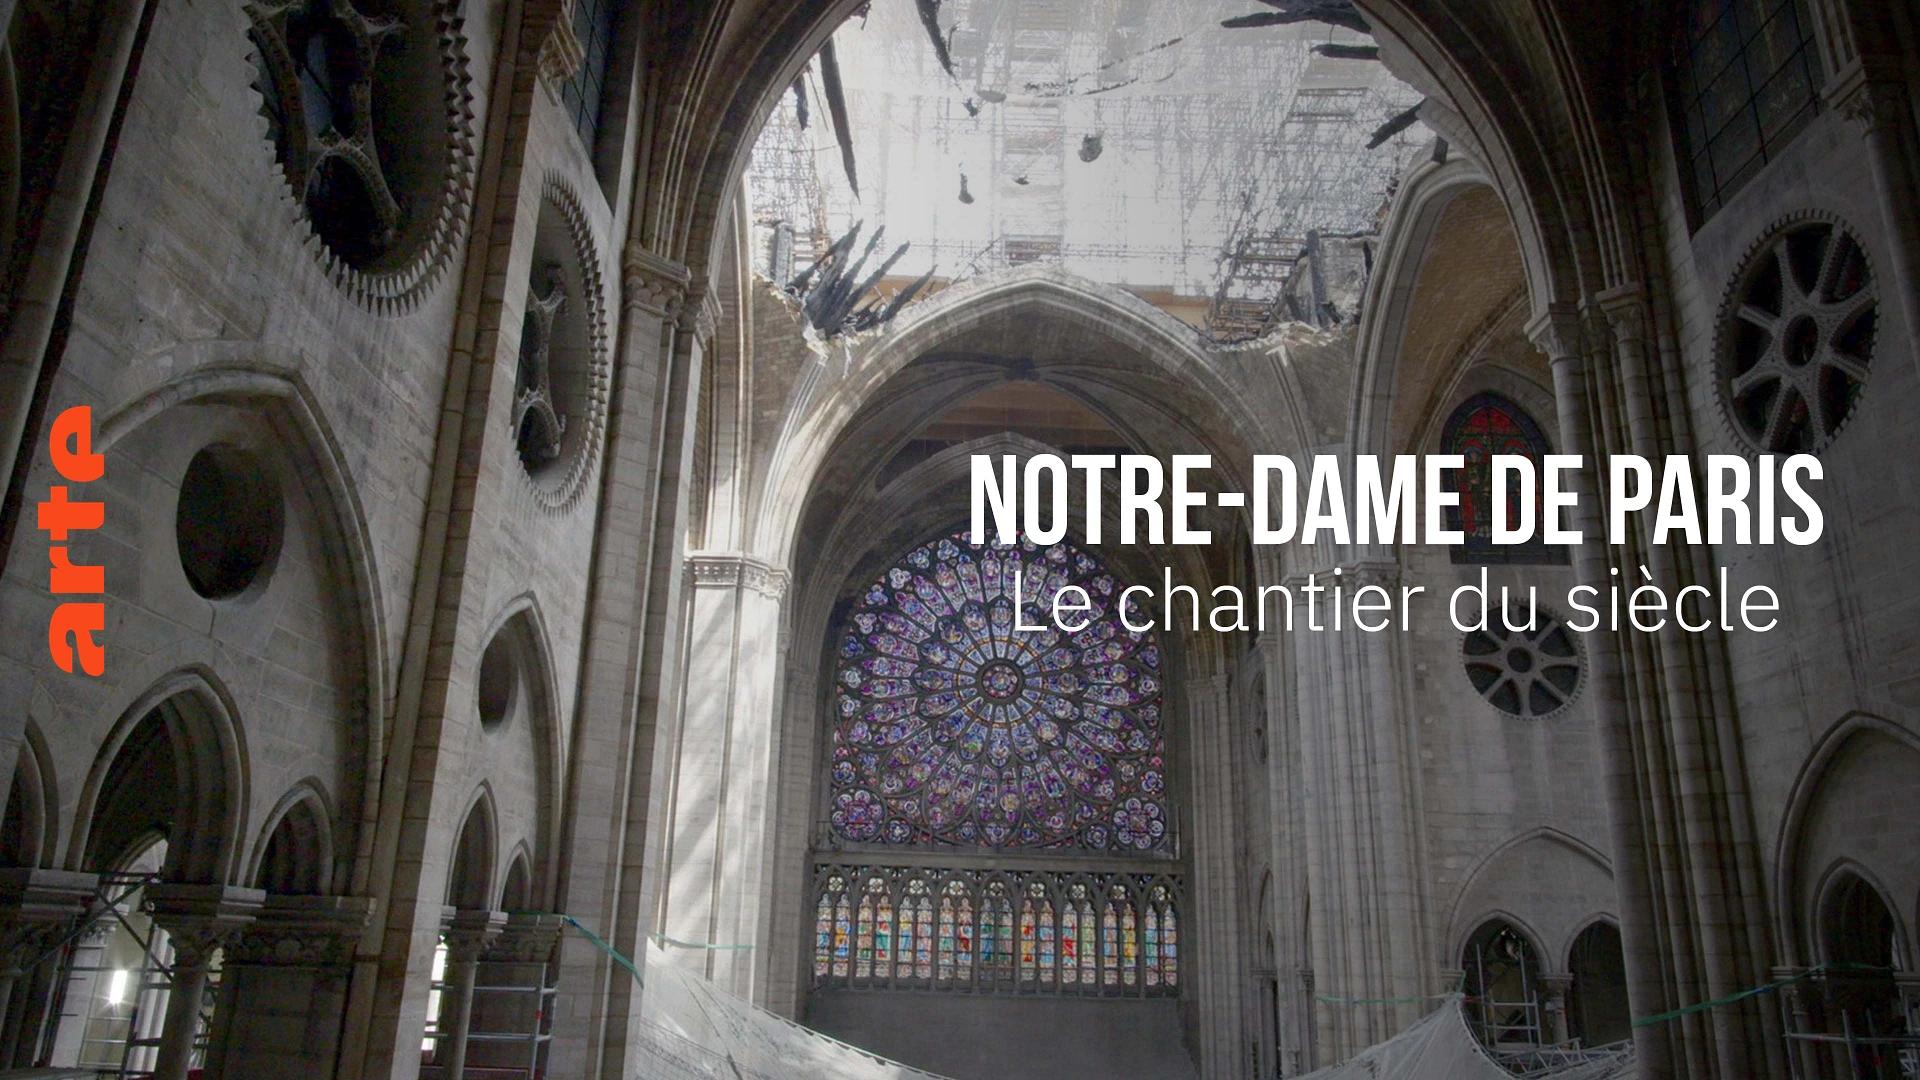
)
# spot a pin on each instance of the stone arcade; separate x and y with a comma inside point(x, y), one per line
point(530, 502)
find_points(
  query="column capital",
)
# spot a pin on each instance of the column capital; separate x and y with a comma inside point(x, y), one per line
point(303, 931)
point(37, 908)
point(546, 32)
point(719, 569)
point(1557, 332)
point(471, 933)
point(1867, 91)
point(654, 284)
point(1623, 308)
point(201, 918)
point(700, 315)
point(526, 938)
point(32, 895)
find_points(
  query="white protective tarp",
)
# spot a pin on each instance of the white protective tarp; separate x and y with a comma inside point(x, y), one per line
point(1440, 1046)
point(693, 1030)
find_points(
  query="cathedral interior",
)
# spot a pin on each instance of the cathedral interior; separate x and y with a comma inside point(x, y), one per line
point(522, 450)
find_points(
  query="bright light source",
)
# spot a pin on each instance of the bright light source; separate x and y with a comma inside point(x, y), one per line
point(117, 987)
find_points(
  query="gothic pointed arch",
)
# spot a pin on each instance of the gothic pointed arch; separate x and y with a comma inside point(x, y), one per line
point(470, 878)
point(174, 766)
point(294, 856)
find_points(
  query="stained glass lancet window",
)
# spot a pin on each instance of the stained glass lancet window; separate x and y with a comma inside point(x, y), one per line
point(953, 728)
point(1483, 426)
point(1748, 80)
point(1096, 934)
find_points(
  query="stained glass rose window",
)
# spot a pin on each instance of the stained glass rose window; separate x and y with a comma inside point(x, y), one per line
point(953, 727)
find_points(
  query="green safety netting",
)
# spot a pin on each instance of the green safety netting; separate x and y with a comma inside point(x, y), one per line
point(1440, 1046)
point(693, 1030)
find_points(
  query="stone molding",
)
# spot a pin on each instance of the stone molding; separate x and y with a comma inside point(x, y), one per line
point(737, 571)
point(654, 284)
point(546, 29)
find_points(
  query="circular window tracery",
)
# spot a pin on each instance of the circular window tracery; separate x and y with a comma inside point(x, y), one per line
point(1529, 673)
point(369, 115)
point(1797, 336)
point(563, 372)
point(952, 727)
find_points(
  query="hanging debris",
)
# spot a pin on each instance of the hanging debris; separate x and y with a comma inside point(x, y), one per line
point(800, 99)
point(835, 298)
point(1339, 13)
point(1395, 126)
point(972, 106)
point(992, 97)
point(966, 196)
point(930, 18)
point(1090, 147)
point(837, 111)
point(1334, 51)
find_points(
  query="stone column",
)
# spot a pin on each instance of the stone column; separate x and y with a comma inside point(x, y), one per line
point(199, 920)
point(1304, 1058)
point(629, 656)
point(37, 909)
point(1800, 1012)
point(719, 846)
point(28, 357)
point(283, 988)
point(469, 935)
point(1212, 840)
point(1365, 937)
point(1870, 90)
point(1558, 333)
point(1554, 991)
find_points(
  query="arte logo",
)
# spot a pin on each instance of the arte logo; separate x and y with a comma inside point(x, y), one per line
point(77, 620)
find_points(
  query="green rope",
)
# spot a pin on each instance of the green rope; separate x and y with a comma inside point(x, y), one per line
point(1688, 1010)
point(617, 956)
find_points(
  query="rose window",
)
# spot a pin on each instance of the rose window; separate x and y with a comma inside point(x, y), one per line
point(1529, 673)
point(1798, 337)
point(953, 727)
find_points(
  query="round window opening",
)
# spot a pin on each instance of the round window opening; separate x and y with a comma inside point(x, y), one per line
point(1532, 672)
point(228, 522)
point(499, 679)
point(1797, 337)
point(354, 93)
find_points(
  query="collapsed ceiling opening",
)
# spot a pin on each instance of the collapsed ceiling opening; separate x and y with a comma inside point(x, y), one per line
point(1185, 148)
